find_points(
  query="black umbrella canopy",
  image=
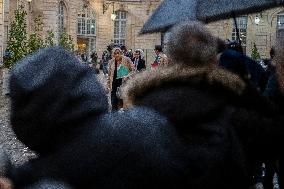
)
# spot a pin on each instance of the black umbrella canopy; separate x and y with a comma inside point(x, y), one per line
point(212, 10)
point(171, 12)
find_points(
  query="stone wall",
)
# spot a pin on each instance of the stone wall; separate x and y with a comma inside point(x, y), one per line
point(49, 12)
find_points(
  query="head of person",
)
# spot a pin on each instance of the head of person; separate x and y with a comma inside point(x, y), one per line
point(158, 49)
point(236, 46)
point(94, 55)
point(272, 52)
point(40, 79)
point(123, 48)
point(117, 53)
point(109, 48)
point(137, 54)
point(191, 44)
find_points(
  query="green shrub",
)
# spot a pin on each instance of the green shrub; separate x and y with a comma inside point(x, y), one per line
point(35, 41)
point(17, 43)
point(66, 42)
point(255, 54)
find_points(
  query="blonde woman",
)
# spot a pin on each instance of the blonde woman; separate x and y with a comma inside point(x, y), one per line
point(120, 68)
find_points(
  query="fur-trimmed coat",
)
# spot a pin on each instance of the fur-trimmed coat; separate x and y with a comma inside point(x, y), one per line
point(197, 129)
point(224, 125)
point(111, 67)
point(161, 60)
point(59, 110)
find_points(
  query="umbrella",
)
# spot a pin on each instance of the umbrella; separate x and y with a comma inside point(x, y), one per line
point(171, 12)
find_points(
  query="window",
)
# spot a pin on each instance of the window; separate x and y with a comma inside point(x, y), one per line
point(6, 6)
point(86, 30)
point(120, 28)
point(242, 26)
point(86, 23)
point(280, 25)
point(61, 17)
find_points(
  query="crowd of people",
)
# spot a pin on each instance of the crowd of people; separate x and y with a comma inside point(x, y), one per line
point(204, 116)
point(119, 64)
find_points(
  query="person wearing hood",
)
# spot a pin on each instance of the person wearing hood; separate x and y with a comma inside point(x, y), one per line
point(194, 129)
point(223, 125)
point(233, 59)
point(59, 110)
point(278, 96)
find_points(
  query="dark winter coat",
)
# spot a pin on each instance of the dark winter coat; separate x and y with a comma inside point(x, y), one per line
point(141, 64)
point(59, 111)
point(204, 138)
point(243, 66)
point(52, 96)
point(222, 124)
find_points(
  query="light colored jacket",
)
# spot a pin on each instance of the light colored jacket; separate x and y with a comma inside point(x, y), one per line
point(164, 60)
point(160, 60)
point(111, 65)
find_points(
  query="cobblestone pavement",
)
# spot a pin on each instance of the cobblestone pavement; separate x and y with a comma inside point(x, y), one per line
point(18, 152)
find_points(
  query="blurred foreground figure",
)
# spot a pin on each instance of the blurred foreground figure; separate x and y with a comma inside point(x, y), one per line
point(224, 125)
point(189, 125)
point(59, 110)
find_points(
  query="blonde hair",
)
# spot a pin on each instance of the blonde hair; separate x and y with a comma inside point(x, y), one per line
point(116, 49)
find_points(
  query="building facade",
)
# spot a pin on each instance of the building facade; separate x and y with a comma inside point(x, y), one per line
point(263, 29)
point(94, 24)
point(1, 27)
point(89, 22)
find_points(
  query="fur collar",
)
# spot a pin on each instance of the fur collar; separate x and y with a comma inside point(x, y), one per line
point(147, 80)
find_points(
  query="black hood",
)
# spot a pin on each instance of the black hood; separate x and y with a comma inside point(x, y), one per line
point(52, 95)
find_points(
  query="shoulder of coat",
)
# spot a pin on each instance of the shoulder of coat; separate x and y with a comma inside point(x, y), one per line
point(150, 79)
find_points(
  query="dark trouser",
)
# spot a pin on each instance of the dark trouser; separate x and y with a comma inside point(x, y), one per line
point(105, 68)
point(116, 103)
point(265, 176)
